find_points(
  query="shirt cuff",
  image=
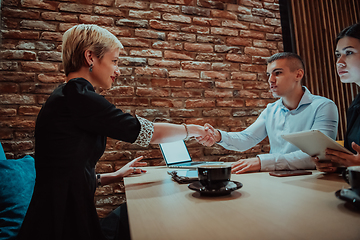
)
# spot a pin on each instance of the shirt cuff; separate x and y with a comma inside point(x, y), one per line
point(146, 132)
point(267, 162)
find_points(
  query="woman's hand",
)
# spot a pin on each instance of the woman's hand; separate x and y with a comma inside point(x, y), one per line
point(322, 166)
point(131, 168)
point(344, 159)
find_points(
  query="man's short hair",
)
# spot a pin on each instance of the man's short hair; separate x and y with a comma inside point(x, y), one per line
point(295, 61)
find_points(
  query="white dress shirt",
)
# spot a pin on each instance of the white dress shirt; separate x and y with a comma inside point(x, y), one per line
point(313, 112)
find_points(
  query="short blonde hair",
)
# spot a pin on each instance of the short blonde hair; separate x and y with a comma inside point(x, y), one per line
point(85, 37)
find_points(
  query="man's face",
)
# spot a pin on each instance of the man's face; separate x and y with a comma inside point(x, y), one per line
point(282, 80)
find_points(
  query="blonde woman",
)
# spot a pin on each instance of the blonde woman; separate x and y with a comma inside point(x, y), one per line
point(70, 137)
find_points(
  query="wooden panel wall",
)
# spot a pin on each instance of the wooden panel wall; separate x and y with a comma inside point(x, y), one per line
point(316, 24)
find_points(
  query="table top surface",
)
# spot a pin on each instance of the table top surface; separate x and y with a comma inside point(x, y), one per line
point(266, 207)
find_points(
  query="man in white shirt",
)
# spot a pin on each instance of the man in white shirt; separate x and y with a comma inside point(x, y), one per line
point(296, 110)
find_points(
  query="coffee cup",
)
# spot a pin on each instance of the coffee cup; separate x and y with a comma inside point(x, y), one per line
point(352, 176)
point(214, 177)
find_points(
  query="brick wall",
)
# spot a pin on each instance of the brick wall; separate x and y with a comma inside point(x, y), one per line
point(192, 61)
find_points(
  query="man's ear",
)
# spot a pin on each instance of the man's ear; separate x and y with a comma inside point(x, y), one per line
point(299, 74)
point(88, 57)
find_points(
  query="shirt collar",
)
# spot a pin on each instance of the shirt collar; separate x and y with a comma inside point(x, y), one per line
point(307, 98)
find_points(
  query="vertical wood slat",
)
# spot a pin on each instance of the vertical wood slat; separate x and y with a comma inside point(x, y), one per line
point(316, 24)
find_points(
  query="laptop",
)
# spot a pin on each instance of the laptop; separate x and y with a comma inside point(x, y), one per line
point(176, 155)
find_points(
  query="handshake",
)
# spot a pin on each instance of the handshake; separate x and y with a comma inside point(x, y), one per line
point(209, 137)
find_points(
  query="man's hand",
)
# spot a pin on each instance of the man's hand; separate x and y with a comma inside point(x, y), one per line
point(322, 166)
point(211, 137)
point(246, 165)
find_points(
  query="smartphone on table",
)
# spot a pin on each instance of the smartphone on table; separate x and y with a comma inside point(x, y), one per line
point(289, 173)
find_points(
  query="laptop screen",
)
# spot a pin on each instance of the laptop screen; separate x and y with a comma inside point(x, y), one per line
point(175, 152)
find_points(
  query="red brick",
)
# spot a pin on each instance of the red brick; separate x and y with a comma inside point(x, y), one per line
point(238, 8)
point(224, 31)
point(196, 47)
point(196, 29)
point(251, 68)
point(250, 18)
point(186, 113)
point(202, 84)
point(216, 112)
point(150, 92)
point(235, 24)
point(237, 41)
point(223, 14)
point(225, 66)
point(153, 72)
point(186, 93)
point(146, 33)
point(265, 44)
point(232, 122)
point(243, 76)
point(51, 36)
point(164, 82)
point(135, 42)
point(132, 61)
point(146, 53)
point(18, 13)
point(181, 37)
point(17, 76)
point(37, 88)
point(207, 21)
point(228, 84)
point(262, 12)
point(162, 102)
point(195, 11)
point(8, 88)
point(257, 102)
point(257, 51)
point(144, 14)
point(131, 4)
point(256, 85)
point(176, 18)
point(252, 34)
point(29, 110)
point(65, 26)
point(230, 103)
point(238, 58)
point(183, 74)
point(178, 55)
point(75, 7)
point(273, 22)
point(215, 75)
point(55, 16)
point(211, 4)
point(199, 103)
point(218, 93)
point(110, 11)
point(272, 6)
point(100, 20)
point(51, 77)
point(261, 28)
point(39, 4)
point(273, 37)
point(17, 99)
point(118, 31)
point(163, 63)
point(37, 25)
point(246, 94)
point(8, 66)
point(121, 91)
point(132, 23)
point(18, 54)
point(167, 45)
point(147, 113)
point(126, 101)
point(162, 25)
point(209, 57)
point(165, 7)
point(259, 60)
point(49, 56)
point(17, 34)
point(191, 65)
point(39, 67)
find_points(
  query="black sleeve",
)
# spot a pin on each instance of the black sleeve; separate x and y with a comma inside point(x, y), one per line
point(93, 113)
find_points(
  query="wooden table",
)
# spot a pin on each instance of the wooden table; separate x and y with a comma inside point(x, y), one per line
point(266, 207)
